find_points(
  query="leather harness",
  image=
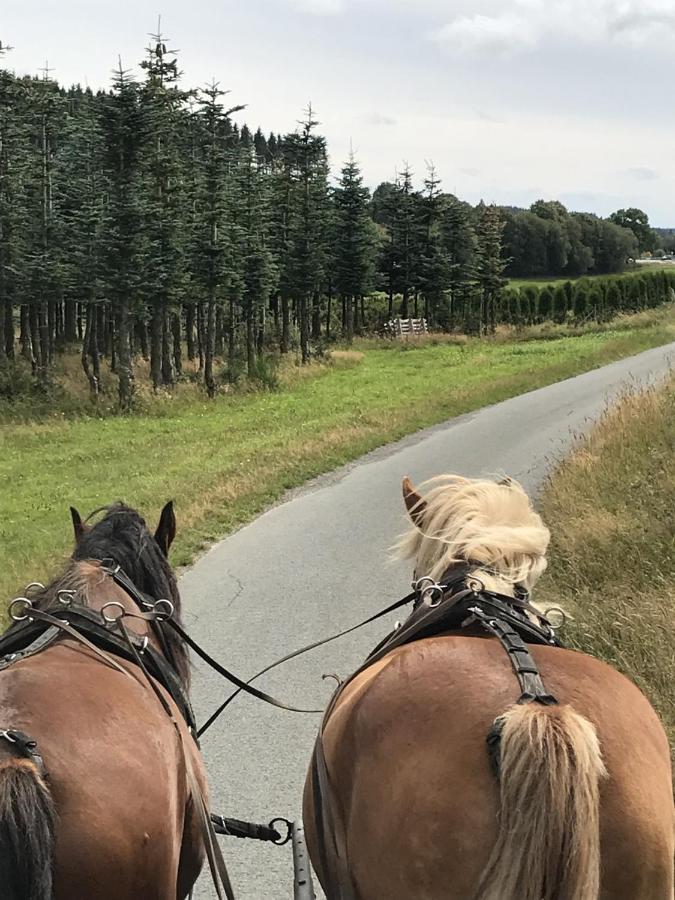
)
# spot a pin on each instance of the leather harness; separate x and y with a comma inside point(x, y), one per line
point(460, 601)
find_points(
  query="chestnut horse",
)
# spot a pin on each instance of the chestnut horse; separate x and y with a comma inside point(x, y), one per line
point(111, 816)
point(582, 808)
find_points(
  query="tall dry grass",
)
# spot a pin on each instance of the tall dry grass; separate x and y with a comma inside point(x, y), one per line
point(611, 510)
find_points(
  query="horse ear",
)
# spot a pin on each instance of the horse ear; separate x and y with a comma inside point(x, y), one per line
point(79, 527)
point(413, 502)
point(166, 530)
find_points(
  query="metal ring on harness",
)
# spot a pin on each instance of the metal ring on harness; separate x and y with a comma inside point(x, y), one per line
point(283, 839)
point(66, 597)
point(161, 616)
point(35, 585)
point(110, 620)
point(27, 604)
point(561, 613)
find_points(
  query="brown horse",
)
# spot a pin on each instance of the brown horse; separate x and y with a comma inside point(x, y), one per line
point(111, 814)
point(582, 808)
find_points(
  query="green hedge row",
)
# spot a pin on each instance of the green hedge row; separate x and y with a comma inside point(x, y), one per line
point(586, 300)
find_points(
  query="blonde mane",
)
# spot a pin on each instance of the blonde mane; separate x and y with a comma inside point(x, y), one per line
point(458, 520)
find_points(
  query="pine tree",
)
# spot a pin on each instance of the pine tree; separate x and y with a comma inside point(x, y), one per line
point(308, 221)
point(213, 235)
point(163, 102)
point(458, 238)
point(82, 189)
point(12, 140)
point(434, 260)
point(354, 241)
point(490, 263)
point(124, 253)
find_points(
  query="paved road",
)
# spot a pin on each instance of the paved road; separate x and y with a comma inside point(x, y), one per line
point(318, 562)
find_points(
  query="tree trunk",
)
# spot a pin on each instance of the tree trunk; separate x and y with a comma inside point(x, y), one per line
point(177, 348)
point(101, 329)
point(125, 371)
point(316, 316)
point(9, 329)
point(209, 345)
point(405, 314)
point(357, 315)
point(349, 318)
point(142, 335)
point(285, 324)
point(24, 332)
point(43, 336)
point(250, 338)
point(231, 342)
point(70, 322)
point(329, 311)
point(260, 337)
point(275, 313)
point(51, 331)
point(90, 351)
point(168, 374)
point(220, 331)
point(35, 337)
point(304, 327)
point(156, 345)
point(190, 330)
point(201, 335)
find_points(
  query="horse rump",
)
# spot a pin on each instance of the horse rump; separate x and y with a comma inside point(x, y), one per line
point(548, 846)
point(27, 820)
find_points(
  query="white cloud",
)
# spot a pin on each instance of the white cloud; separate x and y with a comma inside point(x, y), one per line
point(319, 7)
point(377, 119)
point(502, 33)
point(642, 173)
point(526, 24)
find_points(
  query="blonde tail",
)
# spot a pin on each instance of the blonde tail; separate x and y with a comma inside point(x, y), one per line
point(548, 847)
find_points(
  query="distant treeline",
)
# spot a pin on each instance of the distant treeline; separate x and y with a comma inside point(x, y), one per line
point(142, 222)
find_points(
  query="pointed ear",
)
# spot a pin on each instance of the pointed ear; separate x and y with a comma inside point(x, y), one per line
point(79, 527)
point(166, 530)
point(413, 503)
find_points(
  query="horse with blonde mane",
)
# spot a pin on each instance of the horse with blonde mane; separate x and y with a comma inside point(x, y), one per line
point(403, 800)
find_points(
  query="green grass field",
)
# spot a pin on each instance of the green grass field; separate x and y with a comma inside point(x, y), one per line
point(612, 558)
point(224, 461)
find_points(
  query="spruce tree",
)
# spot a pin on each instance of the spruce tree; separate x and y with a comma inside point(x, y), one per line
point(124, 254)
point(490, 263)
point(354, 241)
point(162, 103)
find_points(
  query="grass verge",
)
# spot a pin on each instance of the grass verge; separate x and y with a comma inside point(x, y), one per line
point(610, 507)
point(224, 461)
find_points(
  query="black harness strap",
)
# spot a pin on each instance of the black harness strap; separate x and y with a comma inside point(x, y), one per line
point(531, 685)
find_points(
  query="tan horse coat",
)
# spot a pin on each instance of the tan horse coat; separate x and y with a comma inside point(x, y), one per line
point(584, 810)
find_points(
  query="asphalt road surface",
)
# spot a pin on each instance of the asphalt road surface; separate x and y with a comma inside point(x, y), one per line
point(317, 563)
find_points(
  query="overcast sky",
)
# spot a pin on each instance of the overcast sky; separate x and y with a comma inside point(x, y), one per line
point(512, 100)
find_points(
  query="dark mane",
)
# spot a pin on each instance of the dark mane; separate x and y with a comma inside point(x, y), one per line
point(122, 536)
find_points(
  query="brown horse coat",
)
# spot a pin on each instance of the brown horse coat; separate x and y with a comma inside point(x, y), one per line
point(116, 770)
point(406, 753)
point(583, 808)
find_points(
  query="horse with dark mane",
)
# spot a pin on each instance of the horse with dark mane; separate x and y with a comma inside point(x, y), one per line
point(570, 798)
point(102, 808)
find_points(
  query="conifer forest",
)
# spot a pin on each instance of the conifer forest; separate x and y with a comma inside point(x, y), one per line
point(143, 221)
